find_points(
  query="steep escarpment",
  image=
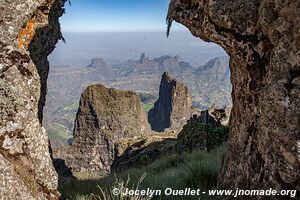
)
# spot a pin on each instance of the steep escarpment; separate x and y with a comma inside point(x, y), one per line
point(173, 107)
point(29, 32)
point(262, 39)
point(105, 115)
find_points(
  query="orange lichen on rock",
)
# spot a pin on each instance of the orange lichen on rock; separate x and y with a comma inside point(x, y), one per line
point(26, 34)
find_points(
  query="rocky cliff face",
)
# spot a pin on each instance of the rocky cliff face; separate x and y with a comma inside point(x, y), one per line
point(146, 66)
point(173, 107)
point(262, 39)
point(209, 83)
point(141, 151)
point(105, 115)
point(29, 32)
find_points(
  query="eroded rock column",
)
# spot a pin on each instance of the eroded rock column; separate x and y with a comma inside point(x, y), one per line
point(263, 41)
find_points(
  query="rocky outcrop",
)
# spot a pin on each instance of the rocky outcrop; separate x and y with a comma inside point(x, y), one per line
point(173, 107)
point(105, 115)
point(157, 66)
point(220, 115)
point(204, 132)
point(209, 84)
point(140, 151)
point(262, 39)
point(29, 31)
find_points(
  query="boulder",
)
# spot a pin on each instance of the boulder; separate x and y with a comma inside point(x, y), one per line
point(139, 151)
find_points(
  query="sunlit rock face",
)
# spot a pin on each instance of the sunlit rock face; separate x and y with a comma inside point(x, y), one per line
point(263, 41)
point(173, 107)
point(29, 31)
point(104, 116)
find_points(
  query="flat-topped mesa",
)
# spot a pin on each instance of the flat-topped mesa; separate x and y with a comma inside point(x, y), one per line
point(105, 115)
point(97, 63)
point(173, 107)
point(157, 66)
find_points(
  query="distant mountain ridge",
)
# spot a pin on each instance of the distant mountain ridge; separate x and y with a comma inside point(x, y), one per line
point(209, 85)
point(146, 66)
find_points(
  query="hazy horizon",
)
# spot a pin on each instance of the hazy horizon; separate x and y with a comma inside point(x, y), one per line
point(117, 47)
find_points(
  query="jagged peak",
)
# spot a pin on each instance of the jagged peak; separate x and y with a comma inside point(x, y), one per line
point(166, 76)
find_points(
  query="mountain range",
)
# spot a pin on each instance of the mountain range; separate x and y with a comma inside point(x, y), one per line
point(209, 84)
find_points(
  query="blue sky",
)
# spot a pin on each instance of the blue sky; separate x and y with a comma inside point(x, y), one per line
point(116, 16)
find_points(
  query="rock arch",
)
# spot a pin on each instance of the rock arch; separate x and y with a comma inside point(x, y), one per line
point(263, 41)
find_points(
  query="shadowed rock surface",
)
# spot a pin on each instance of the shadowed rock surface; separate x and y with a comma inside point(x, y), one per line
point(204, 132)
point(29, 31)
point(263, 41)
point(141, 151)
point(173, 107)
point(105, 115)
point(157, 66)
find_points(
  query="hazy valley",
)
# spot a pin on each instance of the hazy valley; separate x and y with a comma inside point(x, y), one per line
point(209, 82)
point(119, 106)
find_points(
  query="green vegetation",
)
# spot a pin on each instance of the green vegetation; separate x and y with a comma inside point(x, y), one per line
point(215, 135)
point(147, 107)
point(196, 170)
point(59, 132)
point(147, 98)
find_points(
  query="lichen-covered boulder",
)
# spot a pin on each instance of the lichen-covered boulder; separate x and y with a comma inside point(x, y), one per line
point(29, 31)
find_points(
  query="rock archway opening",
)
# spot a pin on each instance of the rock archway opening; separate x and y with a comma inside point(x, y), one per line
point(262, 39)
point(197, 78)
point(131, 60)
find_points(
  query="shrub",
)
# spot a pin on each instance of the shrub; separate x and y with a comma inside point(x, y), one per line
point(198, 169)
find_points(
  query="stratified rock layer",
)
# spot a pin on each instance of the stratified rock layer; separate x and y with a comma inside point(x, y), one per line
point(173, 107)
point(263, 41)
point(29, 30)
point(105, 115)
